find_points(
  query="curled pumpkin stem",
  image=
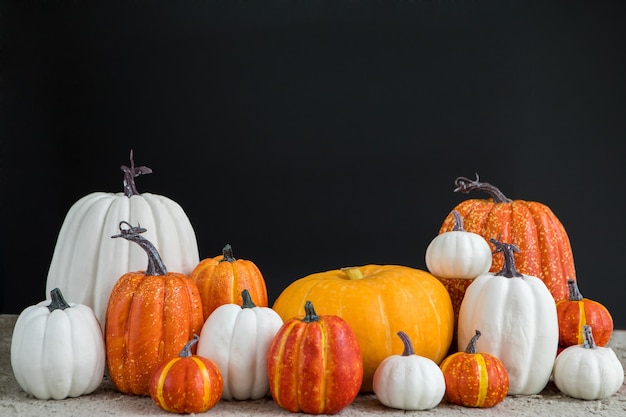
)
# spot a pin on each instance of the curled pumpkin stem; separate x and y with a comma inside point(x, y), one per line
point(406, 341)
point(458, 222)
point(186, 351)
point(471, 346)
point(156, 267)
point(508, 249)
point(130, 189)
point(465, 185)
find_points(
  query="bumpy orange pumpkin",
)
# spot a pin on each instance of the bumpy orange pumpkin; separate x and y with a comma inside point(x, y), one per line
point(378, 301)
point(545, 250)
point(576, 312)
point(314, 364)
point(187, 383)
point(221, 280)
point(474, 379)
point(150, 317)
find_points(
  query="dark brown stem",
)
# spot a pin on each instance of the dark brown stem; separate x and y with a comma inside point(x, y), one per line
point(186, 351)
point(310, 315)
point(465, 185)
point(574, 292)
point(408, 346)
point(227, 251)
point(458, 222)
point(589, 342)
point(57, 301)
point(130, 189)
point(156, 267)
point(471, 346)
point(247, 300)
point(508, 249)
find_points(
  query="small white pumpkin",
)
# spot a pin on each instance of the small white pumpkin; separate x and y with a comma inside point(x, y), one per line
point(517, 316)
point(409, 381)
point(237, 338)
point(458, 253)
point(86, 262)
point(57, 349)
point(588, 371)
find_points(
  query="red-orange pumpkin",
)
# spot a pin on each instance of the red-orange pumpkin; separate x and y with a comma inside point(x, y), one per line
point(577, 311)
point(544, 245)
point(314, 364)
point(220, 280)
point(187, 383)
point(150, 317)
point(474, 379)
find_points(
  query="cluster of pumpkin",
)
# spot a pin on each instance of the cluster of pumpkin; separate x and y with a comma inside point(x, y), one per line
point(144, 327)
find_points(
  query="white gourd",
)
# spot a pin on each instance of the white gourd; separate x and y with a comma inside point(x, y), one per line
point(588, 371)
point(409, 381)
point(57, 349)
point(517, 316)
point(86, 262)
point(237, 338)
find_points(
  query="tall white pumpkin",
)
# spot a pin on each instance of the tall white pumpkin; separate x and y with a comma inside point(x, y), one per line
point(518, 320)
point(86, 262)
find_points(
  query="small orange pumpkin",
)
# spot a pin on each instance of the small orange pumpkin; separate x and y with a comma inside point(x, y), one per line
point(186, 384)
point(577, 311)
point(474, 379)
point(314, 364)
point(220, 280)
point(149, 318)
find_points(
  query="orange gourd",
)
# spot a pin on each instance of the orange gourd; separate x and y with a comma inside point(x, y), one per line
point(221, 279)
point(378, 301)
point(578, 311)
point(474, 379)
point(187, 383)
point(314, 364)
point(150, 317)
point(544, 245)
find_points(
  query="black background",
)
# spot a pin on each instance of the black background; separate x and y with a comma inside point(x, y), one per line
point(313, 135)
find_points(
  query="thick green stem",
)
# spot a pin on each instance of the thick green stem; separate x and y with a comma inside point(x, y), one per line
point(465, 185)
point(227, 251)
point(130, 189)
point(589, 342)
point(508, 249)
point(247, 300)
point(310, 315)
point(574, 292)
point(471, 346)
point(186, 351)
point(156, 267)
point(57, 301)
point(408, 346)
point(458, 221)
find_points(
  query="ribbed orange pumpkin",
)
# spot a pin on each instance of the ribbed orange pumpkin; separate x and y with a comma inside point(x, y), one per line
point(378, 301)
point(576, 312)
point(220, 280)
point(545, 250)
point(187, 383)
point(150, 317)
point(314, 364)
point(474, 379)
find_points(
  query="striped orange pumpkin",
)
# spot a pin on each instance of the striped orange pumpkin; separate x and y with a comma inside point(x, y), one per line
point(545, 250)
point(474, 379)
point(314, 364)
point(577, 311)
point(186, 384)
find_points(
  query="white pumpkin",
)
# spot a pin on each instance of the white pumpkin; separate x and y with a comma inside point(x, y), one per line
point(86, 262)
point(458, 253)
point(409, 381)
point(57, 349)
point(588, 371)
point(237, 338)
point(517, 316)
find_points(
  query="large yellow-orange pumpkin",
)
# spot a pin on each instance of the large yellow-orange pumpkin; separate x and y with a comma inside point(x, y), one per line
point(150, 317)
point(314, 364)
point(221, 280)
point(378, 301)
point(544, 245)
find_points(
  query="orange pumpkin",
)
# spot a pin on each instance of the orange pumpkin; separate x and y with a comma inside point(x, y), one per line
point(187, 383)
point(576, 312)
point(314, 364)
point(221, 280)
point(474, 379)
point(545, 250)
point(149, 318)
point(378, 301)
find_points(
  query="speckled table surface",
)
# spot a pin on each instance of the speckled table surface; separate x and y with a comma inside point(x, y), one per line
point(106, 401)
